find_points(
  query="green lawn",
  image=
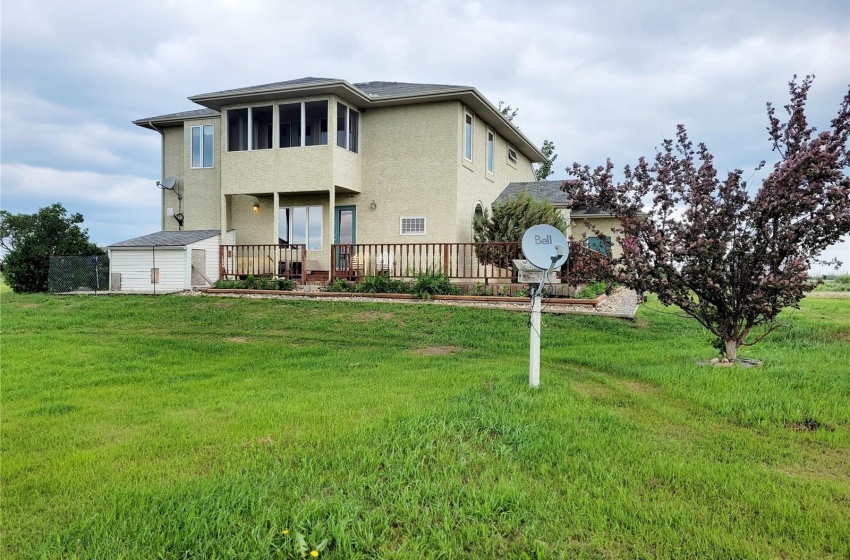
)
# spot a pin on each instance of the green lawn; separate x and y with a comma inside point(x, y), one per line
point(199, 427)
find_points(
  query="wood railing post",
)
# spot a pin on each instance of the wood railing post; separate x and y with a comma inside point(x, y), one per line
point(304, 264)
point(334, 256)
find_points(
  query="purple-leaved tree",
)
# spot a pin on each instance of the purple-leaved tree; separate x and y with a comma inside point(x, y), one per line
point(730, 260)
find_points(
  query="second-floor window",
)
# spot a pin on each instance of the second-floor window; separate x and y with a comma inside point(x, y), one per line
point(202, 146)
point(467, 137)
point(249, 129)
point(491, 149)
point(307, 120)
point(347, 128)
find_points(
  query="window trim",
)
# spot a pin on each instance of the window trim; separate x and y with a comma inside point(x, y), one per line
point(227, 128)
point(471, 142)
point(424, 225)
point(201, 136)
point(512, 161)
point(347, 131)
point(490, 156)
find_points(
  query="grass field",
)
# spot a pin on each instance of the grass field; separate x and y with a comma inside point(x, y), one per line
point(199, 427)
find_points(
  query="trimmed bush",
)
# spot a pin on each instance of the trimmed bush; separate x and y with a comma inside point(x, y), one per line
point(433, 283)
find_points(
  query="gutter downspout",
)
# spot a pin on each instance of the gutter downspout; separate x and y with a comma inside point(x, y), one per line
point(161, 174)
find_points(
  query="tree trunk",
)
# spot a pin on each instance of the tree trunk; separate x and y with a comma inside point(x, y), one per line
point(731, 350)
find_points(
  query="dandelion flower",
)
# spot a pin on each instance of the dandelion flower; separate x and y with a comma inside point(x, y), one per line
point(285, 532)
point(314, 553)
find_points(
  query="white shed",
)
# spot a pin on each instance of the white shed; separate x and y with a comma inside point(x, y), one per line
point(166, 261)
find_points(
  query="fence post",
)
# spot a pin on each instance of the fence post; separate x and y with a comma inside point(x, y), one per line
point(333, 262)
point(304, 264)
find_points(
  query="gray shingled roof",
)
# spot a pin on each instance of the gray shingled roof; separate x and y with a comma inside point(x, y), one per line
point(168, 238)
point(272, 86)
point(196, 114)
point(541, 190)
point(401, 89)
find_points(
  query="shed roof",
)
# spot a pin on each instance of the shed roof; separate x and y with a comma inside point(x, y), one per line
point(168, 238)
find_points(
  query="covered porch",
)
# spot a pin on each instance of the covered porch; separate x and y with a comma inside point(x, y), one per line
point(480, 263)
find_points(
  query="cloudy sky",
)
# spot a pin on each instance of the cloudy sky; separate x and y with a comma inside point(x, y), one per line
point(600, 79)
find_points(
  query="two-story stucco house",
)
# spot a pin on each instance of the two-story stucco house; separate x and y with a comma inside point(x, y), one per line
point(315, 161)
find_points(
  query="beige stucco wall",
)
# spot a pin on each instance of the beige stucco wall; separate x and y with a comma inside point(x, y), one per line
point(410, 170)
point(578, 230)
point(201, 187)
point(474, 183)
point(172, 156)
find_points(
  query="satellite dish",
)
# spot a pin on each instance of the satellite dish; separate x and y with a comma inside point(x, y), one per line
point(544, 246)
point(168, 183)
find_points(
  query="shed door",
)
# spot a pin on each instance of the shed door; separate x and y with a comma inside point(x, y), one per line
point(199, 267)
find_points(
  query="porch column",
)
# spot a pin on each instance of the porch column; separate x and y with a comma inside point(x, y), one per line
point(223, 217)
point(276, 216)
point(331, 224)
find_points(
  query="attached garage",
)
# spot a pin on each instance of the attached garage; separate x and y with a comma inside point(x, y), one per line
point(166, 261)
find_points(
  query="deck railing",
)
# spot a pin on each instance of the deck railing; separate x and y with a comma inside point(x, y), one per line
point(479, 262)
point(282, 261)
point(461, 261)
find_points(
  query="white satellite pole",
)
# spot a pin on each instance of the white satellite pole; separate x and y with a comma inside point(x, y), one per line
point(545, 247)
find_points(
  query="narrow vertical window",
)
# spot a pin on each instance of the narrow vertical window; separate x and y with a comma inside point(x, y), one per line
point(237, 130)
point(196, 146)
point(467, 137)
point(314, 228)
point(261, 125)
point(290, 125)
point(208, 145)
point(347, 128)
point(353, 130)
point(316, 115)
point(341, 125)
point(491, 143)
point(283, 226)
point(202, 146)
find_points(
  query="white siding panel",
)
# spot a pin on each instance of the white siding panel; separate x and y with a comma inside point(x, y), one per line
point(135, 266)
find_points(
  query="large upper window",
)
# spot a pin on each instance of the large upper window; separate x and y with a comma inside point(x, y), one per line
point(202, 146)
point(467, 137)
point(261, 128)
point(249, 129)
point(290, 125)
point(347, 127)
point(316, 123)
point(301, 225)
point(491, 148)
point(237, 130)
point(307, 120)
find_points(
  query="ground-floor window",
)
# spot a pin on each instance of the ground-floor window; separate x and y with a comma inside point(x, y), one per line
point(412, 226)
point(600, 244)
point(301, 225)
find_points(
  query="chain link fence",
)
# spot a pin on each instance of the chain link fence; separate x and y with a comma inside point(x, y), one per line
point(78, 274)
